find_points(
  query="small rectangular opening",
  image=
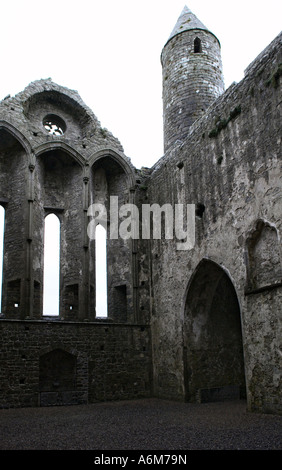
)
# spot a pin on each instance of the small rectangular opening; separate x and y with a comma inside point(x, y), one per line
point(120, 302)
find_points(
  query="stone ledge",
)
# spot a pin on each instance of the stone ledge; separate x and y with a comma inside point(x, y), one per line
point(263, 288)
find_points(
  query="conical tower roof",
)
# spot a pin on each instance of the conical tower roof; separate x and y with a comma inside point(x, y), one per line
point(187, 21)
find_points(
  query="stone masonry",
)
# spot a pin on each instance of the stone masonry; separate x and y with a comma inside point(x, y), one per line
point(195, 325)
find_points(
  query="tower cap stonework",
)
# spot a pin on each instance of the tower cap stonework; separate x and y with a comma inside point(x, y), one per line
point(187, 21)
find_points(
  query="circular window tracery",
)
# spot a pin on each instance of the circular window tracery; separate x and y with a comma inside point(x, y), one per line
point(54, 125)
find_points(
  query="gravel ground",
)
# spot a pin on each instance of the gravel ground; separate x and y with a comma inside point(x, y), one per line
point(149, 424)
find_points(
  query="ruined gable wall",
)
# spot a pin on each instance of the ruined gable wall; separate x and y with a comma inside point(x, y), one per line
point(231, 164)
point(26, 110)
point(101, 360)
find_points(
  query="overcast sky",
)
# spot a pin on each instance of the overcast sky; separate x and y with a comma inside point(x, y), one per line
point(109, 51)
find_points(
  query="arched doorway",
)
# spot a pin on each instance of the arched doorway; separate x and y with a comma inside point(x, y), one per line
point(213, 350)
point(57, 378)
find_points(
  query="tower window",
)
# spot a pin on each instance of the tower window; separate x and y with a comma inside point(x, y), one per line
point(197, 45)
point(199, 210)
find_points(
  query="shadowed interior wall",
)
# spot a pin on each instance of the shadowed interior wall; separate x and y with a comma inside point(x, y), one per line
point(58, 190)
point(13, 176)
point(213, 337)
point(109, 179)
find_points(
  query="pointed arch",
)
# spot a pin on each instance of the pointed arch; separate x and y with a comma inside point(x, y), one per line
point(197, 45)
point(16, 134)
point(112, 175)
point(57, 378)
point(118, 158)
point(60, 146)
point(213, 359)
point(15, 157)
point(51, 274)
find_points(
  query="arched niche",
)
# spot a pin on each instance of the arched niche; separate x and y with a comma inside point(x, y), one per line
point(197, 45)
point(58, 173)
point(113, 157)
point(14, 159)
point(213, 349)
point(57, 378)
point(59, 106)
point(13, 163)
point(264, 266)
point(59, 190)
point(111, 180)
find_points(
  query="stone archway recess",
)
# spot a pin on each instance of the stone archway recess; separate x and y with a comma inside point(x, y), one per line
point(213, 350)
point(57, 378)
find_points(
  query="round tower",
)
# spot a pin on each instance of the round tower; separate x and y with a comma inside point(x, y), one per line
point(192, 75)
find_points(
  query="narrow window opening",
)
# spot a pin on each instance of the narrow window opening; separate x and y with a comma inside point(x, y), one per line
point(2, 224)
point(199, 210)
point(101, 272)
point(51, 286)
point(120, 303)
point(197, 46)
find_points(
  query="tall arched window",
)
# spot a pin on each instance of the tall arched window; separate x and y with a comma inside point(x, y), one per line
point(101, 272)
point(51, 281)
point(197, 45)
point(2, 224)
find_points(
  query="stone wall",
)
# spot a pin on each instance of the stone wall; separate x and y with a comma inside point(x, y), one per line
point(229, 166)
point(62, 363)
point(60, 173)
point(191, 81)
point(213, 312)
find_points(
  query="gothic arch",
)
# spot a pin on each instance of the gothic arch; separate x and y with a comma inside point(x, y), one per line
point(49, 93)
point(111, 175)
point(57, 377)
point(59, 189)
point(118, 158)
point(15, 155)
point(52, 146)
point(213, 345)
point(197, 45)
point(8, 127)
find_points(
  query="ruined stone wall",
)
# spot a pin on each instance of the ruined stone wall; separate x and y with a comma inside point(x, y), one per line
point(13, 190)
point(214, 311)
point(44, 173)
point(62, 363)
point(230, 168)
point(66, 359)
